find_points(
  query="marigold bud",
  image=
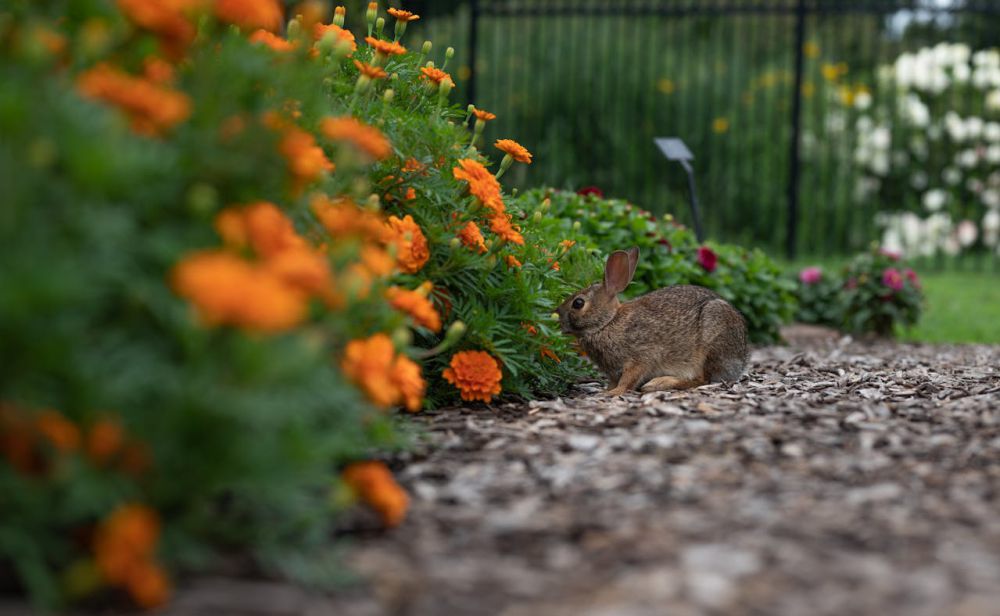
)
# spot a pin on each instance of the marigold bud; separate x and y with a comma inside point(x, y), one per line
point(426, 48)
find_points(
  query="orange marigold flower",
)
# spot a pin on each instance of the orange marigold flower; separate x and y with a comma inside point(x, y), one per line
point(368, 139)
point(158, 70)
point(304, 269)
point(385, 48)
point(406, 376)
point(373, 483)
point(501, 225)
point(483, 115)
point(476, 375)
point(412, 165)
point(229, 291)
point(59, 431)
point(136, 459)
point(514, 149)
point(104, 440)
point(340, 35)
point(512, 261)
point(547, 352)
point(434, 74)
point(148, 584)
point(125, 539)
point(387, 379)
point(170, 20)
point(555, 265)
point(567, 244)
point(272, 40)
point(342, 217)
point(472, 237)
point(251, 14)
point(306, 160)
point(528, 327)
point(402, 15)
point(482, 184)
point(369, 71)
point(416, 305)
point(412, 250)
point(262, 225)
point(151, 108)
point(411, 194)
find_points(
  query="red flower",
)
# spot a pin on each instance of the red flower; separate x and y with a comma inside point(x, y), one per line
point(707, 259)
point(591, 190)
point(912, 277)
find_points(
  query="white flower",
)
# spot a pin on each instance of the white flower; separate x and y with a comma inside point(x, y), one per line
point(974, 127)
point(986, 57)
point(967, 158)
point(919, 180)
point(881, 139)
point(955, 127)
point(975, 185)
point(951, 175)
point(991, 199)
point(880, 163)
point(934, 199)
point(991, 228)
point(992, 131)
point(934, 132)
point(864, 124)
point(993, 99)
point(993, 154)
point(862, 100)
point(966, 233)
point(916, 111)
point(892, 242)
point(836, 122)
point(961, 73)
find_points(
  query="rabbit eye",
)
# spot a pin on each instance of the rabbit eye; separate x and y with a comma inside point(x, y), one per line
point(578, 303)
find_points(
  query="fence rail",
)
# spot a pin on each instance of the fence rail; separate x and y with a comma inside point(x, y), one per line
point(775, 97)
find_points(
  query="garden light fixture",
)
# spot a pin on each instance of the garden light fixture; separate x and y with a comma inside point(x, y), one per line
point(675, 149)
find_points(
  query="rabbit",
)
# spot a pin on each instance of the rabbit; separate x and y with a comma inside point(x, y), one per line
point(673, 338)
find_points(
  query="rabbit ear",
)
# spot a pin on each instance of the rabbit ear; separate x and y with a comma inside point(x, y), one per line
point(633, 261)
point(617, 272)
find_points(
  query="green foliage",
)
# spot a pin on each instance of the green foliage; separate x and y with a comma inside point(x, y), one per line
point(818, 297)
point(671, 255)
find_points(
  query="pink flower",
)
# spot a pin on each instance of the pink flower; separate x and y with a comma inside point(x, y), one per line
point(892, 279)
point(591, 190)
point(707, 259)
point(892, 254)
point(912, 277)
point(811, 275)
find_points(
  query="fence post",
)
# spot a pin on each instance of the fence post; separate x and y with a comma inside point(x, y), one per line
point(791, 232)
point(470, 88)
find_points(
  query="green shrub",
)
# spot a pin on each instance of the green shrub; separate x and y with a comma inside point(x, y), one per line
point(671, 255)
point(211, 307)
point(873, 293)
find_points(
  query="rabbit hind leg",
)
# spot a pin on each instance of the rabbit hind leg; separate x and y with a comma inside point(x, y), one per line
point(664, 383)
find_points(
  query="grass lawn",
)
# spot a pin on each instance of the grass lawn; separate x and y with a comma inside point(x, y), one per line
point(961, 307)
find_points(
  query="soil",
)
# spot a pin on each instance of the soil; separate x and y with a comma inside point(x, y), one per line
point(838, 477)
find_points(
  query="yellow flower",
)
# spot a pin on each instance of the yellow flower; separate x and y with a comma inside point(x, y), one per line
point(514, 149)
point(720, 125)
point(810, 49)
point(476, 375)
point(808, 89)
point(472, 237)
point(373, 483)
point(666, 86)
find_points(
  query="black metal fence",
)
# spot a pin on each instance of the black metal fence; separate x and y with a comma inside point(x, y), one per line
point(780, 100)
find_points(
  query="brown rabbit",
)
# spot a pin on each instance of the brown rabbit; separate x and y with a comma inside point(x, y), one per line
point(671, 338)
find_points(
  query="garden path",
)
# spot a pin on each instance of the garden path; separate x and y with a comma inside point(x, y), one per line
point(839, 477)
